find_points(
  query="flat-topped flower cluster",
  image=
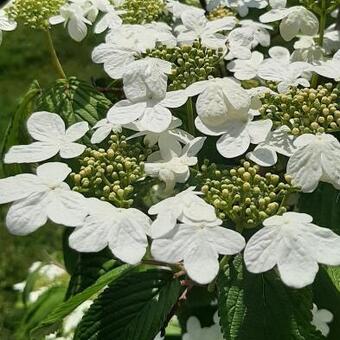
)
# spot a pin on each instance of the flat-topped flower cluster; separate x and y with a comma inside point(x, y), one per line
point(196, 86)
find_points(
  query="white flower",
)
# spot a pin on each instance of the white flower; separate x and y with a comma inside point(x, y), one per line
point(295, 245)
point(242, 6)
point(39, 197)
point(72, 15)
point(122, 230)
point(246, 69)
point(197, 242)
point(196, 332)
point(52, 138)
point(152, 138)
point(321, 319)
point(170, 210)
point(125, 44)
point(6, 24)
point(103, 129)
point(277, 141)
point(177, 8)
point(306, 49)
point(280, 69)
point(316, 159)
point(172, 162)
point(295, 20)
point(197, 26)
point(148, 103)
point(330, 68)
point(261, 35)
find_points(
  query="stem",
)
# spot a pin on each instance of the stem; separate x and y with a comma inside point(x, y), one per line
point(323, 9)
point(54, 57)
point(190, 112)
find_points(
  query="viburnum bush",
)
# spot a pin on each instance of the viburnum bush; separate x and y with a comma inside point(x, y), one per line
point(200, 181)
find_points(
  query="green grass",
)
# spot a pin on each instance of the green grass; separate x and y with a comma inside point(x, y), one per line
point(24, 57)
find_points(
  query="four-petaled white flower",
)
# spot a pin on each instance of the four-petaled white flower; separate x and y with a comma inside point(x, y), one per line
point(295, 20)
point(73, 16)
point(40, 197)
point(198, 241)
point(321, 319)
point(124, 231)
point(280, 69)
point(170, 210)
point(172, 162)
point(316, 159)
point(197, 26)
point(295, 245)
point(125, 44)
point(245, 69)
point(330, 68)
point(52, 138)
point(6, 24)
point(278, 141)
point(148, 103)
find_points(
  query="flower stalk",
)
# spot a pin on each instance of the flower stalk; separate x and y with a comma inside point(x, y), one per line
point(54, 57)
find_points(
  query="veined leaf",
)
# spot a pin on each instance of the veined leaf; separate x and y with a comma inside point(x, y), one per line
point(74, 100)
point(261, 307)
point(64, 309)
point(16, 131)
point(134, 307)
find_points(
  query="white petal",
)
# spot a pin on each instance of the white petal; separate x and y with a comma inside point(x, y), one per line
point(45, 126)
point(77, 29)
point(125, 112)
point(235, 141)
point(53, 173)
point(175, 99)
point(71, 150)
point(66, 207)
point(32, 153)
point(27, 215)
point(77, 131)
point(156, 119)
point(20, 186)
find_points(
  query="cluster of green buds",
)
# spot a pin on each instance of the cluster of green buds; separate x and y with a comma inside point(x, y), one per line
point(242, 195)
point(112, 173)
point(34, 13)
point(142, 11)
point(304, 110)
point(190, 63)
point(220, 12)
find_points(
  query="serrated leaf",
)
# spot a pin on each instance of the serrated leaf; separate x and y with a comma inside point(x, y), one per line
point(134, 307)
point(16, 131)
point(261, 307)
point(71, 304)
point(75, 101)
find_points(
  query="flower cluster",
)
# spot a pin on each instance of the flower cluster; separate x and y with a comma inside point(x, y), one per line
point(155, 196)
point(189, 63)
point(111, 174)
point(242, 196)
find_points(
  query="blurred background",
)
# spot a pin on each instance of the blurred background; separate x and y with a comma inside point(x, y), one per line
point(23, 58)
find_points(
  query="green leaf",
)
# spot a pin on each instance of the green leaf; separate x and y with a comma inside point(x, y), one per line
point(75, 101)
point(261, 307)
point(324, 205)
point(134, 307)
point(64, 309)
point(39, 310)
point(16, 131)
